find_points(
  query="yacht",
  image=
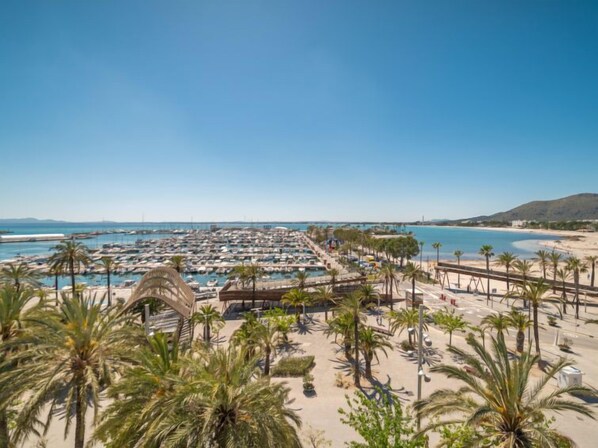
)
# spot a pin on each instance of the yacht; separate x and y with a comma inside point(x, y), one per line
point(212, 283)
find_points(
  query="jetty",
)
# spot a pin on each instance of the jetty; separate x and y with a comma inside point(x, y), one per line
point(31, 238)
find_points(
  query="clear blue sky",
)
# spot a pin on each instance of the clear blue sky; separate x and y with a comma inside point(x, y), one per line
point(299, 110)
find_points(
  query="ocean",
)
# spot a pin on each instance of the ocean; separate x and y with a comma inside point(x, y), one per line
point(468, 240)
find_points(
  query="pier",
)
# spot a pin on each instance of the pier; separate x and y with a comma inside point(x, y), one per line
point(31, 238)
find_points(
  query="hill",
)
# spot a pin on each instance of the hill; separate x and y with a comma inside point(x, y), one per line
point(582, 206)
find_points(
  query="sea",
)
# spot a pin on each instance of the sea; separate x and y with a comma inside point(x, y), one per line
point(468, 240)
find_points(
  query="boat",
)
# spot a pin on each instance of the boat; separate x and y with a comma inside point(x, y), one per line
point(212, 283)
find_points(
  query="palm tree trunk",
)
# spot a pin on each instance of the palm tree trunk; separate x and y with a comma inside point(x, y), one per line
point(593, 274)
point(79, 420)
point(368, 366)
point(554, 280)
point(450, 338)
point(253, 295)
point(536, 333)
point(391, 288)
point(208, 336)
point(508, 280)
point(109, 291)
point(520, 340)
point(577, 294)
point(413, 293)
point(487, 280)
point(56, 287)
point(267, 361)
point(3, 430)
point(356, 335)
point(72, 270)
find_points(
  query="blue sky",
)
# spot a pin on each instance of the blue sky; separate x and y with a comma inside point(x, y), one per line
point(294, 110)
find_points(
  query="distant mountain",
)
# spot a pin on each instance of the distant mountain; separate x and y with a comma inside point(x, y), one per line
point(577, 207)
point(29, 221)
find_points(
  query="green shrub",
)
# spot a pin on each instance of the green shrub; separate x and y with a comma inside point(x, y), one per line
point(293, 366)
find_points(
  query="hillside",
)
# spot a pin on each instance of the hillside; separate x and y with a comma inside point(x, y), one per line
point(577, 207)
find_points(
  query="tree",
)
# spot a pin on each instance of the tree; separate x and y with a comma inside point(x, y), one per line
point(370, 344)
point(109, 265)
point(523, 267)
point(498, 399)
point(177, 262)
point(74, 352)
point(412, 273)
point(368, 293)
point(450, 322)
point(391, 279)
point(576, 266)
point(296, 298)
point(300, 278)
point(15, 308)
point(342, 325)
point(380, 421)
point(154, 371)
point(563, 275)
point(281, 321)
point(519, 322)
point(534, 292)
point(555, 258)
point(486, 252)
point(267, 338)
point(592, 259)
point(458, 254)
point(407, 319)
point(498, 322)
point(217, 400)
point(353, 305)
point(253, 272)
point(19, 274)
point(56, 271)
point(506, 259)
point(437, 246)
point(210, 318)
point(543, 258)
point(333, 273)
point(325, 296)
point(69, 257)
point(407, 247)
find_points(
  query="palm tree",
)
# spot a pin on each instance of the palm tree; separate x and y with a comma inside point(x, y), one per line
point(19, 274)
point(154, 371)
point(555, 258)
point(216, 400)
point(543, 258)
point(69, 257)
point(110, 265)
point(437, 246)
point(563, 275)
point(56, 271)
point(253, 272)
point(506, 259)
point(389, 274)
point(210, 318)
point(458, 254)
point(412, 273)
point(368, 293)
point(592, 259)
point(267, 337)
point(486, 252)
point(370, 344)
point(524, 267)
point(325, 296)
point(333, 273)
point(405, 320)
point(300, 278)
point(519, 322)
point(498, 322)
point(342, 325)
point(73, 351)
point(296, 298)
point(14, 311)
point(450, 322)
point(353, 305)
point(534, 293)
point(498, 399)
point(177, 262)
point(576, 266)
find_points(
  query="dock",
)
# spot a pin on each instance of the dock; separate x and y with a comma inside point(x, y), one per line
point(31, 238)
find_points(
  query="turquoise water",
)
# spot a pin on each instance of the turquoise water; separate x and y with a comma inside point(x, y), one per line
point(468, 240)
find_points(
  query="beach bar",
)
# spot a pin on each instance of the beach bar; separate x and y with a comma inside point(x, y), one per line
point(31, 238)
